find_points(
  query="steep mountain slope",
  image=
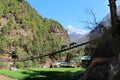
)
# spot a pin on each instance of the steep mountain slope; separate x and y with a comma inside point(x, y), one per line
point(75, 37)
point(98, 30)
point(106, 19)
point(25, 33)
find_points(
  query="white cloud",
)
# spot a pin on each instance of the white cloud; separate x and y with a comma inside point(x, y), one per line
point(71, 29)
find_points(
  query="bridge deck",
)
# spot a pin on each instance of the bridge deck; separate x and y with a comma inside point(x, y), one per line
point(53, 53)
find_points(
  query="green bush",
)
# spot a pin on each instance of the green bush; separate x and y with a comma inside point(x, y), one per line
point(3, 65)
point(18, 65)
point(28, 64)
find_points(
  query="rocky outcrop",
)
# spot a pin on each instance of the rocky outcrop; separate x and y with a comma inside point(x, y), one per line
point(103, 69)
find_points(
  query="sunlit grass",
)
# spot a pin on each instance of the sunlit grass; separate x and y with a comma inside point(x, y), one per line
point(41, 73)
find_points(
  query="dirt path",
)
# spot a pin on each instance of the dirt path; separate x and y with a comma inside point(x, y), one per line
point(6, 78)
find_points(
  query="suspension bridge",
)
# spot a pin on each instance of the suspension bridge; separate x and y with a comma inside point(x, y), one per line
point(56, 52)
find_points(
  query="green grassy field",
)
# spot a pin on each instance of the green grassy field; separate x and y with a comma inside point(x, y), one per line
point(42, 73)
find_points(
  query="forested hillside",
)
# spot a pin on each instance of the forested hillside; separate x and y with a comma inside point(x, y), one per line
point(23, 33)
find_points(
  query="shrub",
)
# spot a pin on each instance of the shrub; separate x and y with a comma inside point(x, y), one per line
point(18, 65)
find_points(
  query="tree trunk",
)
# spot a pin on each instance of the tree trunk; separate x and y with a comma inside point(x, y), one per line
point(115, 22)
point(113, 13)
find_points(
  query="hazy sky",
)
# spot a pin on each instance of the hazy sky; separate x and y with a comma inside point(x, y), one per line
point(70, 13)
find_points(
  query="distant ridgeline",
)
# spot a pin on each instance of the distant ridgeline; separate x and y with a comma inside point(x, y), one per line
point(104, 25)
point(23, 32)
point(107, 43)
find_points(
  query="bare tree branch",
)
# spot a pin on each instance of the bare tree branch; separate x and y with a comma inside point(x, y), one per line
point(90, 12)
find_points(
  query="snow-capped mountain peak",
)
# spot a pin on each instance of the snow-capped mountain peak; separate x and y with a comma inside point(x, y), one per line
point(75, 33)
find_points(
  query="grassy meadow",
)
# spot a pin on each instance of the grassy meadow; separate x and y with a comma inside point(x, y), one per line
point(41, 73)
